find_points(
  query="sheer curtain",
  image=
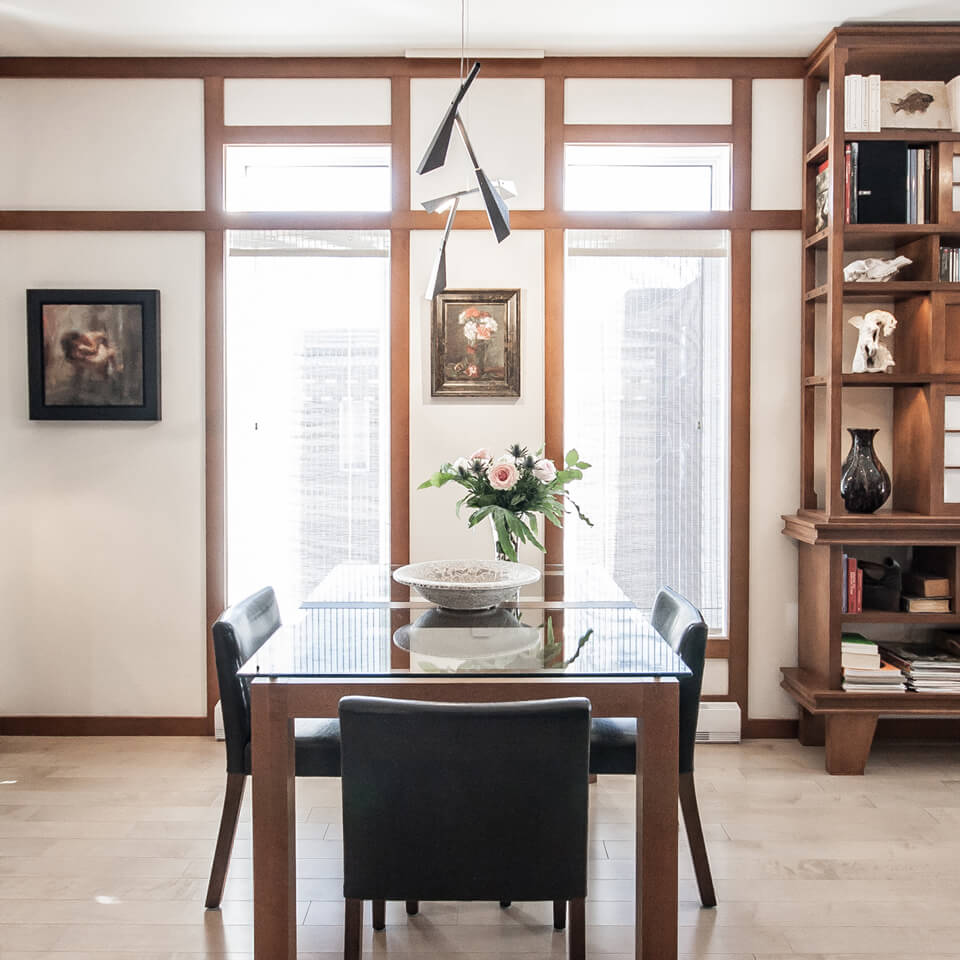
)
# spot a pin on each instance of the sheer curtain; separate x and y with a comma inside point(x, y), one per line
point(646, 401)
point(307, 407)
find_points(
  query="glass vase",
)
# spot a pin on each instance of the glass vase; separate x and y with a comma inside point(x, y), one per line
point(514, 542)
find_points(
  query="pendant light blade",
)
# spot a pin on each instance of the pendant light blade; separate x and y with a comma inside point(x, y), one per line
point(506, 188)
point(497, 212)
point(438, 276)
point(436, 153)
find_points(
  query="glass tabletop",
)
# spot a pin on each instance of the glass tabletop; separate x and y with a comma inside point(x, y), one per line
point(360, 623)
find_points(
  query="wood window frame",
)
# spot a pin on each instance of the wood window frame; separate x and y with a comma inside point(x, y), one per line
point(213, 221)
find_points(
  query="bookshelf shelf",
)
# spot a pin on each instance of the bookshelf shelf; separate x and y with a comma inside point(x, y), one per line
point(909, 619)
point(920, 525)
point(818, 154)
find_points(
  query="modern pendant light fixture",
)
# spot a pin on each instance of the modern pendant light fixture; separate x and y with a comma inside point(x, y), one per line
point(493, 192)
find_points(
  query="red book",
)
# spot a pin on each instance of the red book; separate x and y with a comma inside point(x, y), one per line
point(852, 585)
point(859, 590)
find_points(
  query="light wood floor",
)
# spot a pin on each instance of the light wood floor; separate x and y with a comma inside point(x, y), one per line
point(105, 846)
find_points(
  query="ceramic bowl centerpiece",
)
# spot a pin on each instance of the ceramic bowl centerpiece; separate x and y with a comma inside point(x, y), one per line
point(466, 584)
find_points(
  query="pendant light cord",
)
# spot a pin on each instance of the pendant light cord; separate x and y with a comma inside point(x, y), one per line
point(463, 34)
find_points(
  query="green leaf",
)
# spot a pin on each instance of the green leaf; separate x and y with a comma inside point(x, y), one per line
point(503, 536)
point(533, 523)
point(572, 457)
point(479, 515)
point(516, 525)
point(583, 465)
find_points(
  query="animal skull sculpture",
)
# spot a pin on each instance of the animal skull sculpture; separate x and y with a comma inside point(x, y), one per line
point(872, 356)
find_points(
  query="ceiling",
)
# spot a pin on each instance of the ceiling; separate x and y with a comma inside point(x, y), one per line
point(389, 27)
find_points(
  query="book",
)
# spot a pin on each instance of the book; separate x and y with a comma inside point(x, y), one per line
point(847, 151)
point(844, 605)
point(885, 673)
point(857, 643)
point(822, 205)
point(859, 590)
point(926, 585)
point(879, 181)
point(861, 661)
point(852, 585)
point(926, 604)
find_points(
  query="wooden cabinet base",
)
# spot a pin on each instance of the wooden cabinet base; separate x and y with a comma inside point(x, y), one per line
point(812, 729)
point(848, 740)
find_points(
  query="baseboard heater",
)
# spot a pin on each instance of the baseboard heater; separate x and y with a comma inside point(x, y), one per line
point(718, 722)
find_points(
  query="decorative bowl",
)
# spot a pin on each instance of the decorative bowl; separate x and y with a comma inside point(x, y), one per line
point(466, 584)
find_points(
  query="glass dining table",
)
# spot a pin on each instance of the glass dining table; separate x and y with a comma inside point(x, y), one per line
point(360, 633)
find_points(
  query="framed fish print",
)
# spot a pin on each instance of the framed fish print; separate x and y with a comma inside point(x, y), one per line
point(475, 343)
point(93, 354)
point(919, 106)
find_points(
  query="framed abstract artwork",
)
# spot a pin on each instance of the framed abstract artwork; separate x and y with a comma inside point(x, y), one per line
point(94, 354)
point(475, 343)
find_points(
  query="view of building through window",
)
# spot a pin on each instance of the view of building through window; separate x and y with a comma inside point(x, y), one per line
point(646, 401)
point(307, 370)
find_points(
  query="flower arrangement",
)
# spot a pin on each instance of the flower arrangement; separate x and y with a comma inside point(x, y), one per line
point(511, 490)
point(478, 328)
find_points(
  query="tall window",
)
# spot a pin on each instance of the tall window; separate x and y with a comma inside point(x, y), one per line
point(307, 407)
point(646, 401)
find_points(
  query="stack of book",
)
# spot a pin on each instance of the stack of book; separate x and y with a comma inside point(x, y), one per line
point(863, 670)
point(926, 593)
point(887, 181)
point(932, 667)
point(950, 264)
point(851, 600)
point(861, 102)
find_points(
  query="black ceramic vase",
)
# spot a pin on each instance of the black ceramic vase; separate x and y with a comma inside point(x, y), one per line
point(864, 483)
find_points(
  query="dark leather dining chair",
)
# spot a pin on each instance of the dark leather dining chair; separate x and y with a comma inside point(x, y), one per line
point(453, 801)
point(237, 635)
point(613, 741)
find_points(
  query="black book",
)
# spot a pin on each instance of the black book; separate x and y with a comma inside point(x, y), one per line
point(881, 181)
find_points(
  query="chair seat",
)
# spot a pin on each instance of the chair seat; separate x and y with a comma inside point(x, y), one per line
point(613, 745)
point(318, 748)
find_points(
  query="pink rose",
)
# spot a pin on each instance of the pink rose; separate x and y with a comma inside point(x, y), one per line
point(482, 454)
point(503, 476)
point(545, 471)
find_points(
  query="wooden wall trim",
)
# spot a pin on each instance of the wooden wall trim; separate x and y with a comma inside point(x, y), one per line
point(647, 133)
point(400, 327)
point(195, 220)
point(310, 67)
point(552, 220)
point(243, 135)
point(758, 728)
point(105, 727)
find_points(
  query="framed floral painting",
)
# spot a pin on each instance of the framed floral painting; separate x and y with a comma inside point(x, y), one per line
point(475, 343)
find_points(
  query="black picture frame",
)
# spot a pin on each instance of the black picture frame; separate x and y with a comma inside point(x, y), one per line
point(93, 354)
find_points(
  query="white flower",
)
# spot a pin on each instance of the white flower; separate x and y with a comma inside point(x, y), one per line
point(461, 463)
point(470, 330)
point(545, 471)
point(505, 458)
point(482, 454)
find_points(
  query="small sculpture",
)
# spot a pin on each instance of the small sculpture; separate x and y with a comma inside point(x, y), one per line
point(872, 356)
point(873, 270)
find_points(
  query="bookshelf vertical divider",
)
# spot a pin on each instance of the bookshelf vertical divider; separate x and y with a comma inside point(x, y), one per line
point(923, 525)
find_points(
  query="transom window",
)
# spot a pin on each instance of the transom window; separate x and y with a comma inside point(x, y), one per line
point(622, 177)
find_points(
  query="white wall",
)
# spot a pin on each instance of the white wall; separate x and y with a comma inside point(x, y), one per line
point(102, 568)
point(101, 144)
point(774, 465)
point(444, 428)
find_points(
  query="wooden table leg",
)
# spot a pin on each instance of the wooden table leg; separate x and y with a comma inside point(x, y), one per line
point(849, 737)
point(812, 729)
point(274, 824)
point(657, 785)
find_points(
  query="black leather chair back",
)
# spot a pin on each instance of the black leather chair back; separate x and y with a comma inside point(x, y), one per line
point(681, 624)
point(238, 634)
point(447, 801)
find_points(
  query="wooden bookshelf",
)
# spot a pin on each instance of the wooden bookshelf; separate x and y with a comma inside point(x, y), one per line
point(921, 522)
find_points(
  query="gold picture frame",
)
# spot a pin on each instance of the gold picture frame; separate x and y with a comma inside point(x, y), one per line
point(475, 344)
